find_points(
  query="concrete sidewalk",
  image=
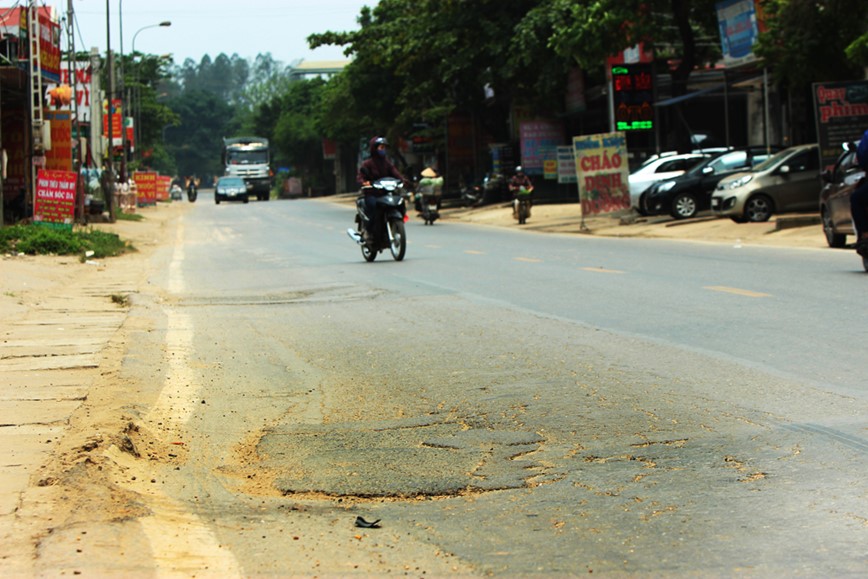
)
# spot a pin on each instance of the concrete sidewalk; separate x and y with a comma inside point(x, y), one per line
point(59, 317)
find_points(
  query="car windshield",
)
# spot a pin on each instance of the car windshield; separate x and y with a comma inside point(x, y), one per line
point(247, 157)
point(773, 160)
point(697, 168)
point(231, 182)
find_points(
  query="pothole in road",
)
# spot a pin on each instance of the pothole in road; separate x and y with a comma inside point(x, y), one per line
point(398, 459)
point(325, 294)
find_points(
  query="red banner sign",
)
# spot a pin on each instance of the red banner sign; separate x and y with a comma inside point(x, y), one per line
point(55, 198)
point(146, 187)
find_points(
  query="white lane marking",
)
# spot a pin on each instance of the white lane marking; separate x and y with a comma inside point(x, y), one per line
point(528, 259)
point(191, 547)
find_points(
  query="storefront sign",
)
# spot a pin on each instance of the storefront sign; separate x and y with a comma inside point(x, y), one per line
point(602, 170)
point(536, 136)
point(633, 95)
point(841, 113)
point(146, 187)
point(55, 198)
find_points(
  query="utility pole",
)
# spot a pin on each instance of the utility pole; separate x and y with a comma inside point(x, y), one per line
point(109, 180)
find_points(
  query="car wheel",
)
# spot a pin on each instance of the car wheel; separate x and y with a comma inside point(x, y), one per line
point(640, 206)
point(683, 206)
point(834, 239)
point(758, 208)
point(217, 200)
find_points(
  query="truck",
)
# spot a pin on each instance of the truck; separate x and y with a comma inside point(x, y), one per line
point(248, 158)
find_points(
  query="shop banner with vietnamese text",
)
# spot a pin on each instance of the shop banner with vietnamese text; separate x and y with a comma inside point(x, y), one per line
point(146, 187)
point(841, 114)
point(54, 204)
point(602, 171)
point(164, 183)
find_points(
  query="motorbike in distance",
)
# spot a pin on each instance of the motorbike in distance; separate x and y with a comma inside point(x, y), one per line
point(523, 204)
point(386, 226)
point(192, 191)
point(429, 188)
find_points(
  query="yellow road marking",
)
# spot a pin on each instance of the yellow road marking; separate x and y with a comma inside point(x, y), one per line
point(528, 259)
point(602, 270)
point(474, 252)
point(737, 291)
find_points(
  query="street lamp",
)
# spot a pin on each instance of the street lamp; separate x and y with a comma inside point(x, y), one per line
point(136, 103)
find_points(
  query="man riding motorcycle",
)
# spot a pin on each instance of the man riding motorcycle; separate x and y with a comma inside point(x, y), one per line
point(519, 182)
point(375, 167)
point(859, 200)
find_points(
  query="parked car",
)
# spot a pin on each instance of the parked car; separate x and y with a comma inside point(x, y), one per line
point(839, 183)
point(658, 168)
point(688, 194)
point(231, 189)
point(786, 181)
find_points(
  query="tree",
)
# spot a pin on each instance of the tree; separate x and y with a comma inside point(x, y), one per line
point(144, 75)
point(832, 48)
point(196, 141)
point(418, 61)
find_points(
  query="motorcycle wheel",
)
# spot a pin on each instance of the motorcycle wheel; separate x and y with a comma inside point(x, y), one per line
point(398, 245)
point(368, 252)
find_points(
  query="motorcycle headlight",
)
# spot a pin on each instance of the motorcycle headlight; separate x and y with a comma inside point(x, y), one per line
point(740, 182)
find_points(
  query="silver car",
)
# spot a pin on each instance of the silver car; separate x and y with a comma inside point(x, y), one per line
point(231, 189)
point(787, 181)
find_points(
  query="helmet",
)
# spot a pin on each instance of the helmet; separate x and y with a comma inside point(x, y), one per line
point(518, 169)
point(381, 141)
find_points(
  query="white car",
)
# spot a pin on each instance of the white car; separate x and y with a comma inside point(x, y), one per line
point(659, 168)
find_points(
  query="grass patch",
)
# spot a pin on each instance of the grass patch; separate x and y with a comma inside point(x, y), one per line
point(39, 240)
point(121, 216)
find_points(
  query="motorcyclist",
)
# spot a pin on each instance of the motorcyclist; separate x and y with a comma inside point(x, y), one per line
point(859, 199)
point(375, 167)
point(518, 182)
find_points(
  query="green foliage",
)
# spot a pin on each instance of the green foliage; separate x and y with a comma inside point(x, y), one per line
point(827, 50)
point(41, 240)
point(196, 142)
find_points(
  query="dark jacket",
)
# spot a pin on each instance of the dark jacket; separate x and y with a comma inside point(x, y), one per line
point(377, 167)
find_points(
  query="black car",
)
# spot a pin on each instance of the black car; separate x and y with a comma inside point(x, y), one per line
point(839, 183)
point(686, 195)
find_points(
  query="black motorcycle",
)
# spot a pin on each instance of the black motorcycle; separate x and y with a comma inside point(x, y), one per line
point(387, 224)
point(192, 192)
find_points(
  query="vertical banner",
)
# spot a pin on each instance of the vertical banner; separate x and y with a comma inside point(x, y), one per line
point(550, 163)
point(602, 171)
point(535, 136)
point(164, 183)
point(739, 30)
point(146, 187)
point(59, 157)
point(566, 165)
point(117, 121)
point(55, 198)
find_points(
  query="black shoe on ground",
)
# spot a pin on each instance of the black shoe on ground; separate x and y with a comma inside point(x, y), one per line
point(862, 247)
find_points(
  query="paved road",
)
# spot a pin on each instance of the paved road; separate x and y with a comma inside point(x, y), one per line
point(504, 402)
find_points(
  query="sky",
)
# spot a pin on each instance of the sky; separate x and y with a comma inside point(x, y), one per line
point(199, 27)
